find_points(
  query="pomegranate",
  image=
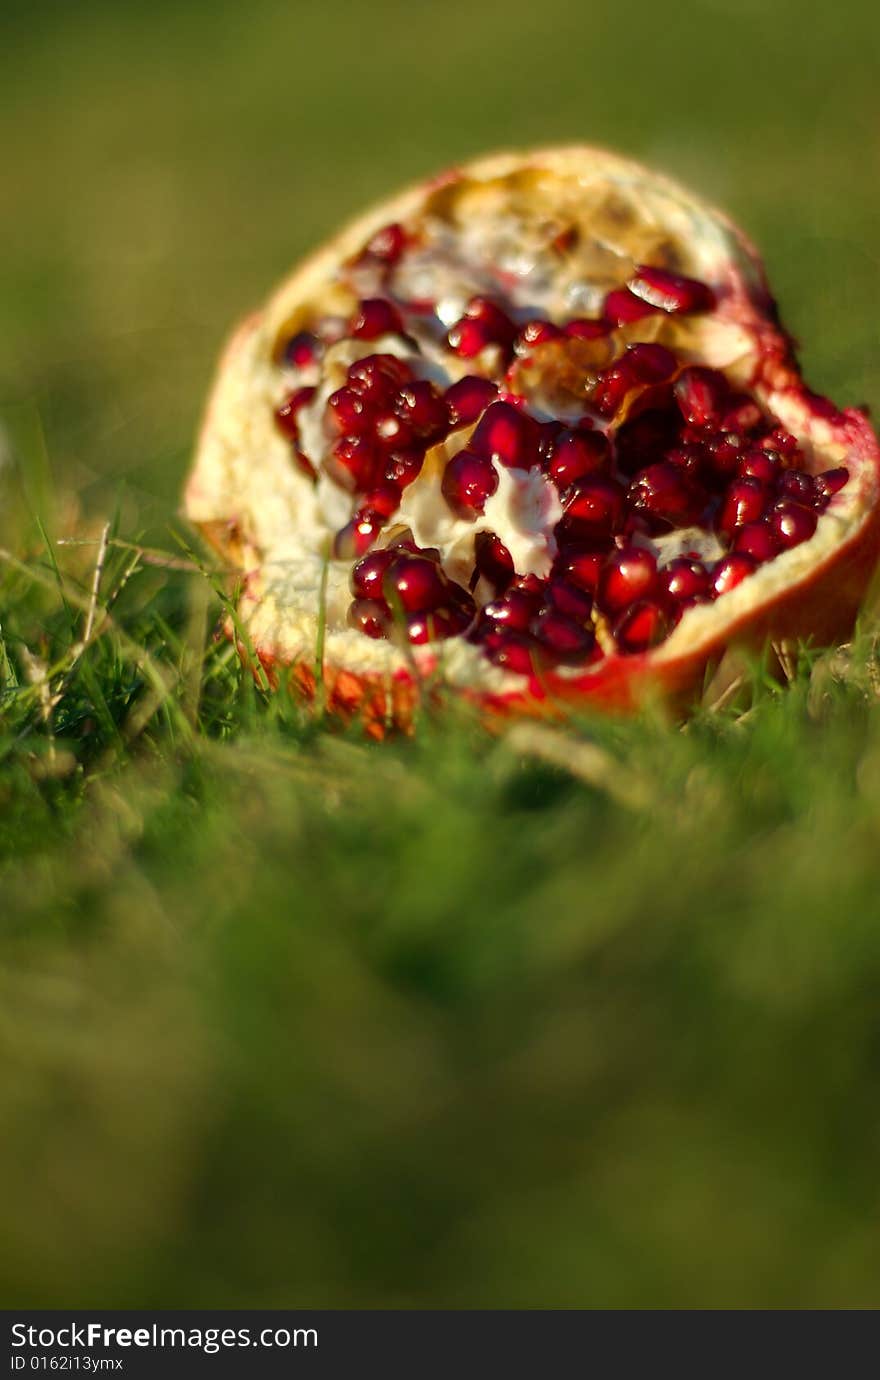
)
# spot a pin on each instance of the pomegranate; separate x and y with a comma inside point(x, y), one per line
point(532, 430)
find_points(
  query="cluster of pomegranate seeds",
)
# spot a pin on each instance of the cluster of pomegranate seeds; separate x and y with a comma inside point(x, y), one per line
point(665, 447)
point(402, 592)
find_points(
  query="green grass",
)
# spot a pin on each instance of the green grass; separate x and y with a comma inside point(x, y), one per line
point(287, 1017)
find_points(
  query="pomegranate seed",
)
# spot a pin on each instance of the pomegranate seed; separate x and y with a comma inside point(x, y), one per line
point(378, 377)
point(631, 574)
point(782, 441)
point(830, 483)
point(621, 307)
point(484, 323)
point(568, 599)
point(646, 437)
point(507, 435)
point(575, 454)
point(532, 585)
point(423, 408)
point(670, 291)
point(468, 398)
point(357, 536)
point(796, 485)
point(286, 414)
point(581, 568)
point(642, 363)
point(701, 394)
point(354, 463)
point(568, 641)
point(388, 243)
point(302, 350)
point(744, 502)
point(391, 431)
point(468, 481)
point(436, 625)
point(374, 317)
point(643, 625)
point(348, 414)
point(730, 571)
point(535, 333)
point(723, 451)
point(757, 539)
point(684, 578)
point(791, 523)
point(582, 328)
point(493, 561)
point(515, 610)
point(366, 577)
point(418, 585)
point(762, 465)
point(594, 506)
point(404, 465)
point(384, 499)
point(688, 458)
point(664, 491)
point(369, 616)
point(513, 652)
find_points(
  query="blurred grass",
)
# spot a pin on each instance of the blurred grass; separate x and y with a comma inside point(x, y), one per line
point(289, 1019)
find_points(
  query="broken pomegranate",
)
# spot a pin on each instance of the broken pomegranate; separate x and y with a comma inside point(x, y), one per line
point(531, 429)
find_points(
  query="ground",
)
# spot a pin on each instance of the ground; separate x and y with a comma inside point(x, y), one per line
point(288, 1017)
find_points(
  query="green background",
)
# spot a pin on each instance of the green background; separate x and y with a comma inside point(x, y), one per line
point(286, 1019)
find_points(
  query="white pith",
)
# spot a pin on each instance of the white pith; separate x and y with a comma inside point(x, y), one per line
point(244, 476)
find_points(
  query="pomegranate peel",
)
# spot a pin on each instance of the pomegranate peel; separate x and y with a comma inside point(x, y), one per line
point(317, 426)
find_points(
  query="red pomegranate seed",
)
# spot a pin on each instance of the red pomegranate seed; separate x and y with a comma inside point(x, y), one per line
point(512, 651)
point(792, 523)
point(355, 463)
point(642, 626)
point(567, 640)
point(515, 610)
point(366, 577)
point(757, 539)
point(830, 482)
point(468, 481)
point(378, 377)
point(671, 292)
point(621, 307)
point(647, 437)
point(688, 458)
point(762, 465)
point(642, 363)
point(581, 568)
point(576, 454)
point(484, 323)
point(744, 502)
point(568, 599)
point(782, 441)
point(507, 435)
point(724, 453)
point(797, 485)
point(630, 574)
point(357, 536)
point(286, 414)
point(492, 560)
point(594, 506)
point(369, 616)
point(664, 491)
point(302, 350)
point(348, 414)
point(730, 571)
point(701, 394)
point(404, 465)
point(468, 398)
point(391, 431)
point(374, 317)
point(535, 333)
point(416, 584)
point(684, 578)
point(384, 499)
point(582, 328)
point(424, 409)
point(436, 625)
point(388, 243)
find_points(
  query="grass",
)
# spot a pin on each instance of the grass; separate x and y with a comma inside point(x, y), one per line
point(287, 1017)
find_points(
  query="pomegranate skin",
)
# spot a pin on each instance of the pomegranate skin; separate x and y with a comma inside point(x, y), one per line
point(812, 591)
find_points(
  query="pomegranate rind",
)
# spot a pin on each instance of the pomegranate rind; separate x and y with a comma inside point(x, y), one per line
point(242, 488)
